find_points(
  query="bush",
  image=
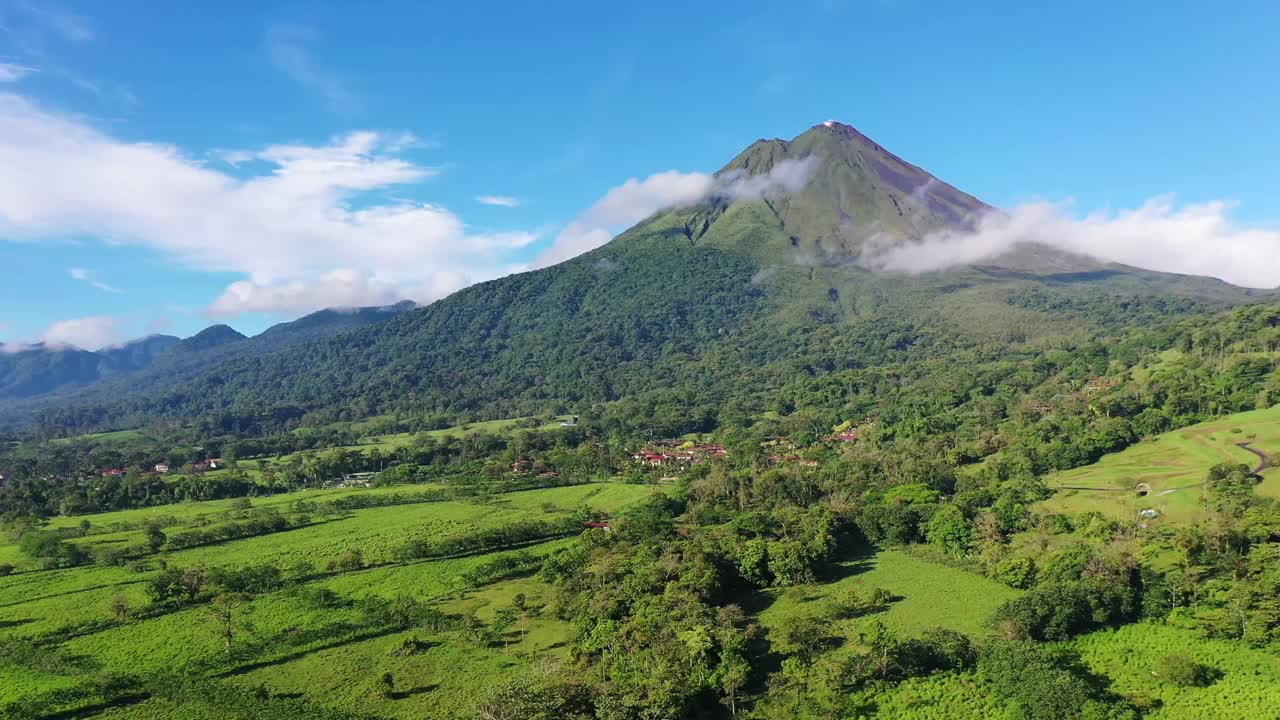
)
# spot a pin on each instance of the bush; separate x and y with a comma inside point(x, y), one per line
point(347, 561)
point(51, 550)
point(1060, 610)
point(1044, 683)
point(1183, 671)
point(6, 569)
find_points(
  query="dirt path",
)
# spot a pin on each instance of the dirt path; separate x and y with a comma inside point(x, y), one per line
point(1264, 460)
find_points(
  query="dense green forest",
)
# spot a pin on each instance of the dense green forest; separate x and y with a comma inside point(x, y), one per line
point(948, 459)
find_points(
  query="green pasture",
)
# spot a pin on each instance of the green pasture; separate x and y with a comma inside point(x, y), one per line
point(1173, 465)
point(321, 653)
point(927, 595)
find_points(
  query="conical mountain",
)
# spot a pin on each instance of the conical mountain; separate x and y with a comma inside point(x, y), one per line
point(852, 191)
point(720, 303)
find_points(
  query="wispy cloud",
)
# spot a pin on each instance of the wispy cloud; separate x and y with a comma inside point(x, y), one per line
point(86, 276)
point(89, 333)
point(637, 199)
point(68, 25)
point(12, 72)
point(288, 47)
point(1194, 239)
point(499, 200)
point(31, 26)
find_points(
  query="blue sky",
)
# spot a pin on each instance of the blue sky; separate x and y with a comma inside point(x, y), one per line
point(164, 166)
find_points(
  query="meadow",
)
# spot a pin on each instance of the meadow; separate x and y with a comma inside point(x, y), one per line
point(1173, 465)
point(1247, 682)
point(322, 637)
point(925, 594)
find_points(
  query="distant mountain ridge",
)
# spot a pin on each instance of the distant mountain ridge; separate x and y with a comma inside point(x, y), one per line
point(29, 372)
point(725, 300)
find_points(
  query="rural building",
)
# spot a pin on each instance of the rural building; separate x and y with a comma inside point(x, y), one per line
point(162, 468)
point(114, 472)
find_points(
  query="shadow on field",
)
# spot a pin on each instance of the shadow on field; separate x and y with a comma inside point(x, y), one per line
point(89, 711)
point(69, 592)
point(298, 654)
point(6, 624)
point(401, 695)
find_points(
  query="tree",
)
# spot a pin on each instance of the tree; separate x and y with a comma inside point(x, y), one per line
point(155, 538)
point(120, 608)
point(520, 603)
point(229, 615)
point(949, 530)
point(1183, 671)
point(1045, 683)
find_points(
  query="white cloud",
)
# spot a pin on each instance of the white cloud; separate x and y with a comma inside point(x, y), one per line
point(89, 333)
point(636, 200)
point(287, 49)
point(292, 223)
point(624, 205)
point(499, 200)
point(9, 72)
point(337, 289)
point(1194, 239)
point(85, 276)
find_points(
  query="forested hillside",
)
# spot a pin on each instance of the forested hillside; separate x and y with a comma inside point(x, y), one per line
point(725, 300)
point(38, 377)
point(713, 469)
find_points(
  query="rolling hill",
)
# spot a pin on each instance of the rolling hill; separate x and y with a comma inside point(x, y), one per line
point(37, 375)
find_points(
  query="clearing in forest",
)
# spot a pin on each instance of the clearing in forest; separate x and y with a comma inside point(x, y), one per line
point(1171, 468)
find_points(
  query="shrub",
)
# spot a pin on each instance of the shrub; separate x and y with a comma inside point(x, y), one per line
point(347, 561)
point(1183, 671)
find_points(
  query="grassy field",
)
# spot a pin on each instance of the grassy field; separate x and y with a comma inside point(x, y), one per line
point(328, 654)
point(927, 595)
point(1173, 465)
point(1248, 685)
point(103, 437)
point(494, 427)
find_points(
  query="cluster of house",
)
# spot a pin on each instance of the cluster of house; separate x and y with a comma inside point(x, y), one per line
point(677, 454)
point(163, 468)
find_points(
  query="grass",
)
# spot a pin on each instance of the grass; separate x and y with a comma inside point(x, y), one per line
point(1249, 686)
point(443, 682)
point(103, 437)
point(508, 426)
point(928, 595)
point(321, 653)
point(1173, 465)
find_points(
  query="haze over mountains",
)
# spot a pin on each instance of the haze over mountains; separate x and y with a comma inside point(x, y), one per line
point(780, 262)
